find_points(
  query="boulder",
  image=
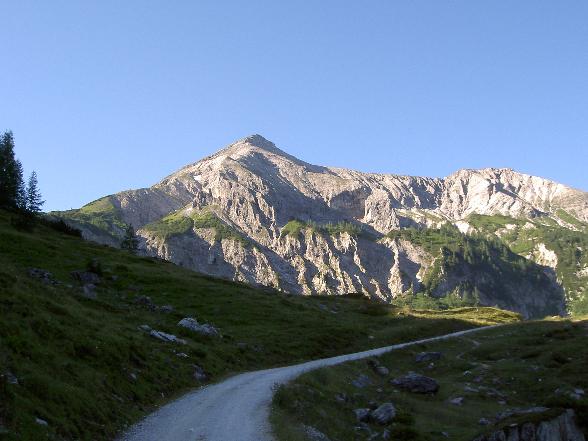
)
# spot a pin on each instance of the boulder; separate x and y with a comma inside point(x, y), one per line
point(457, 401)
point(427, 357)
point(89, 291)
point(41, 422)
point(361, 381)
point(560, 428)
point(416, 383)
point(313, 434)
point(145, 301)
point(362, 414)
point(44, 276)
point(163, 336)
point(382, 370)
point(166, 309)
point(199, 374)
point(193, 325)
point(383, 414)
point(85, 277)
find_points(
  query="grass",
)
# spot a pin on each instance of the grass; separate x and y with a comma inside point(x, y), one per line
point(570, 247)
point(518, 365)
point(85, 367)
point(100, 216)
point(295, 227)
point(178, 223)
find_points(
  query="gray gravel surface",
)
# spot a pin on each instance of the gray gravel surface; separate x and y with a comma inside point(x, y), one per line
point(238, 408)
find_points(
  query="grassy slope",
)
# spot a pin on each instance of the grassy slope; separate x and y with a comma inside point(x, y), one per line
point(527, 362)
point(178, 223)
point(75, 358)
point(571, 248)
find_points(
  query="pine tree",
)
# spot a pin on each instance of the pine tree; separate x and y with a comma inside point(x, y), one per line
point(11, 182)
point(130, 241)
point(33, 200)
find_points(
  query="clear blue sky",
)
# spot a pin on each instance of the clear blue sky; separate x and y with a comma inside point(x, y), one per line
point(104, 96)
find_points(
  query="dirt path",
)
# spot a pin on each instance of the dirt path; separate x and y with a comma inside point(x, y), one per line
point(238, 408)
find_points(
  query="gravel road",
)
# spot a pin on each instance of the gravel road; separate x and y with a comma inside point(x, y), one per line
point(238, 408)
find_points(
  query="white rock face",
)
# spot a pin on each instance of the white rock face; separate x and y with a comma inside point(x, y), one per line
point(257, 188)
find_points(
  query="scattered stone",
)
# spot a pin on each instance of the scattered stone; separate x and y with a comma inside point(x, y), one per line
point(373, 405)
point(199, 374)
point(484, 422)
point(10, 378)
point(416, 383)
point(383, 414)
point(361, 381)
point(386, 434)
point(427, 356)
point(468, 388)
point(520, 411)
point(145, 328)
point(145, 301)
point(182, 355)
point(579, 391)
point(193, 325)
point(85, 277)
point(313, 434)
point(44, 276)
point(445, 434)
point(561, 428)
point(41, 422)
point(166, 309)
point(341, 397)
point(362, 415)
point(89, 291)
point(382, 370)
point(457, 401)
point(163, 336)
point(133, 376)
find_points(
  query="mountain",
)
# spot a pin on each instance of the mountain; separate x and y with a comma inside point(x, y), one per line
point(253, 213)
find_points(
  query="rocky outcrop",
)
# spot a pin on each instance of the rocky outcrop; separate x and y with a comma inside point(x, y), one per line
point(561, 428)
point(254, 189)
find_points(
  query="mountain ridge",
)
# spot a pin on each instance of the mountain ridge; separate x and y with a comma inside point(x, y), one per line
point(251, 191)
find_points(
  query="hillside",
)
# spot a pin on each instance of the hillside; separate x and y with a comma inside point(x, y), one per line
point(520, 381)
point(253, 213)
point(83, 355)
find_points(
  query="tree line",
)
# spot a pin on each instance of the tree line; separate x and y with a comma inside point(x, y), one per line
point(14, 193)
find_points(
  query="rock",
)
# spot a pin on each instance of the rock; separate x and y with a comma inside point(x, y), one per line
point(383, 414)
point(193, 325)
point(199, 374)
point(457, 401)
point(372, 405)
point(85, 277)
point(382, 370)
point(10, 378)
point(484, 422)
point(561, 428)
point(520, 411)
point(313, 434)
point(182, 355)
point(145, 301)
point(362, 415)
point(361, 381)
point(427, 356)
point(166, 309)
point(341, 397)
point(44, 276)
point(386, 434)
point(41, 422)
point(133, 376)
point(163, 336)
point(89, 291)
point(145, 328)
point(416, 383)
